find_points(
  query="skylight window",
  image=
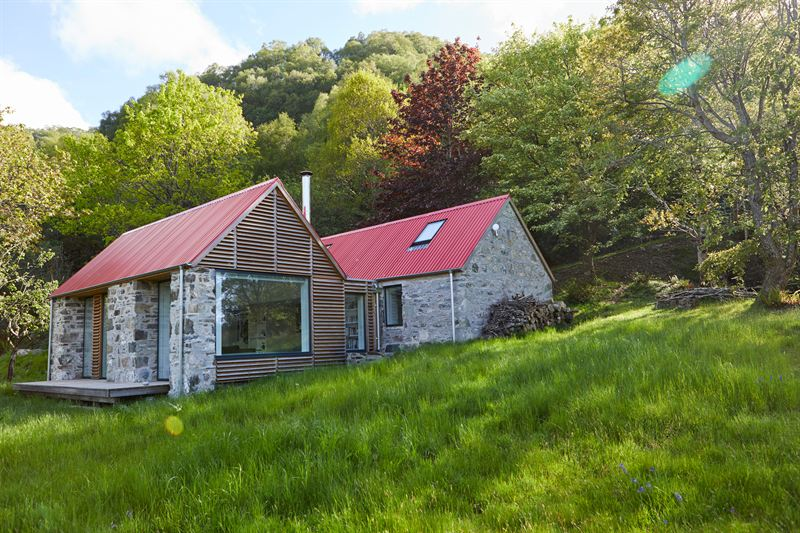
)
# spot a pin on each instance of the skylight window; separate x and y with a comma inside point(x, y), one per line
point(427, 235)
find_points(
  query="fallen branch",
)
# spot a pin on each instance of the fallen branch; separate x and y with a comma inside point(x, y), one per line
point(689, 298)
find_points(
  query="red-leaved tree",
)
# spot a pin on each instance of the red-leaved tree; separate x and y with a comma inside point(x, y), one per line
point(432, 166)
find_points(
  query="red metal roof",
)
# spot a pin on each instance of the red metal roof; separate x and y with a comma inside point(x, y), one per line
point(165, 244)
point(382, 251)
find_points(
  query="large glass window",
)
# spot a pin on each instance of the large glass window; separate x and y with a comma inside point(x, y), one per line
point(354, 322)
point(393, 302)
point(258, 313)
point(88, 329)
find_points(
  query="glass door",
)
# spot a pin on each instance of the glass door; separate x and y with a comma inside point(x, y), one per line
point(164, 301)
point(354, 322)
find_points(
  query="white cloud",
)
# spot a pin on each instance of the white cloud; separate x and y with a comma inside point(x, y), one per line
point(36, 102)
point(539, 16)
point(371, 7)
point(143, 34)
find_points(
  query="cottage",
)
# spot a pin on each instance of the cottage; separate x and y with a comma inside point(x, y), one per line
point(243, 287)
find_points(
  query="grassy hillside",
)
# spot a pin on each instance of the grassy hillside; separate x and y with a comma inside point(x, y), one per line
point(644, 419)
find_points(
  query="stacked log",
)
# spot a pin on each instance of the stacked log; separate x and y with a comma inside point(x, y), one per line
point(689, 298)
point(520, 314)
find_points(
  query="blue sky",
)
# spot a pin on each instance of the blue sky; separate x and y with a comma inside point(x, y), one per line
point(64, 62)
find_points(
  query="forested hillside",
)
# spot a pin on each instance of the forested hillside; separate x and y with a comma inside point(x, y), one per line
point(665, 118)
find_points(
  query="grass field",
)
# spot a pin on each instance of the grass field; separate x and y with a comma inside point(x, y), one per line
point(642, 419)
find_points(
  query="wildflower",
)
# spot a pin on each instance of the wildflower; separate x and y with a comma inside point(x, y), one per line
point(652, 470)
point(640, 490)
point(732, 510)
point(622, 467)
point(648, 485)
point(665, 521)
point(634, 481)
point(678, 497)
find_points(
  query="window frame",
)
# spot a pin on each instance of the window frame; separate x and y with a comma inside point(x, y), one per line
point(219, 273)
point(418, 242)
point(386, 290)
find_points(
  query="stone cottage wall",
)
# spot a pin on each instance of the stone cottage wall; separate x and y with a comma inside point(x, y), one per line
point(500, 266)
point(132, 332)
point(199, 332)
point(66, 344)
point(426, 313)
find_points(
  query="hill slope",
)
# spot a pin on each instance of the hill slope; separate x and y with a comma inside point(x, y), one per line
point(623, 422)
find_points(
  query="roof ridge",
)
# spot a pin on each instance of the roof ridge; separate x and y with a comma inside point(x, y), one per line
point(210, 202)
point(382, 224)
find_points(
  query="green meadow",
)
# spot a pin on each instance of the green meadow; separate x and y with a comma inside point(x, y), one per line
point(633, 420)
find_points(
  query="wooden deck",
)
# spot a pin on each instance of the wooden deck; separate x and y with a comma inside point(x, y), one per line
point(92, 390)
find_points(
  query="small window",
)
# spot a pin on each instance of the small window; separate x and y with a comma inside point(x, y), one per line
point(393, 302)
point(427, 235)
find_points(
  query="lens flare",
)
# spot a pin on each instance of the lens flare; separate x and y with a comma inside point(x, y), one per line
point(173, 425)
point(685, 74)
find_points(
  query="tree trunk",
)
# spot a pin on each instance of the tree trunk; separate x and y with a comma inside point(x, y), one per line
point(777, 272)
point(11, 361)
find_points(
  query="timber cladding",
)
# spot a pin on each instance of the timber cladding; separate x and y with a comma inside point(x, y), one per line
point(272, 238)
point(97, 335)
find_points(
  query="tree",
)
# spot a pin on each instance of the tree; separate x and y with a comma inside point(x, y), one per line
point(347, 159)
point(30, 193)
point(395, 55)
point(553, 145)
point(280, 151)
point(278, 79)
point(187, 143)
point(730, 70)
point(433, 165)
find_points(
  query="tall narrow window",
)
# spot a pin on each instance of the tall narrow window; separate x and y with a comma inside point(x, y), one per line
point(393, 302)
point(164, 301)
point(258, 313)
point(88, 329)
point(354, 316)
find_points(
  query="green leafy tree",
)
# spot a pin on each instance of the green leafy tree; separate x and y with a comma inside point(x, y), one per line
point(553, 145)
point(186, 144)
point(30, 193)
point(395, 55)
point(280, 149)
point(279, 78)
point(730, 70)
point(347, 159)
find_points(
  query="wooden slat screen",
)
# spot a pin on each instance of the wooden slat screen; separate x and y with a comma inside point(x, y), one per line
point(327, 294)
point(273, 239)
point(97, 336)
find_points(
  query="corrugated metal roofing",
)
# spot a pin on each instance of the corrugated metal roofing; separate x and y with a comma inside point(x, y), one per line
point(165, 244)
point(382, 251)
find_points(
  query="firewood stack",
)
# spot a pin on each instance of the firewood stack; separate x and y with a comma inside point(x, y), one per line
point(521, 314)
point(689, 298)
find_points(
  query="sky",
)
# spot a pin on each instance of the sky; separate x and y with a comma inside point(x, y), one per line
point(65, 62)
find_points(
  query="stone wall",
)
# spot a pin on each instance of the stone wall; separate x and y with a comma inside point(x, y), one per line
point(426, 313)
point(500, 266)
point(132, 332)
point(66, 345)
point(199, 332)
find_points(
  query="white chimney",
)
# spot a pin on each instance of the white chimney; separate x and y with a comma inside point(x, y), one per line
point(306, 177)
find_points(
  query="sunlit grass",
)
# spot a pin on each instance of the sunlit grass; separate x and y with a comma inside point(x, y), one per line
point(701, 408)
